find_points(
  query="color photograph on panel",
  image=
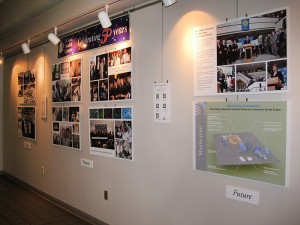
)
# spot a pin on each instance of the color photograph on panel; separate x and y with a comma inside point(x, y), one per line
point(111, 132)
point(66, 126)
point(66, 81)
point(244, 49)
point(242, 139)
point(255, 41)
point(110, 76)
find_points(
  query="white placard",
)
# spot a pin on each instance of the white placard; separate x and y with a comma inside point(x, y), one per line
point(87, 163)
point(243, 195)
point(161, 102)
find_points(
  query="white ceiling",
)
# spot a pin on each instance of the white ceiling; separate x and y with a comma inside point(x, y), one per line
point(31, 19)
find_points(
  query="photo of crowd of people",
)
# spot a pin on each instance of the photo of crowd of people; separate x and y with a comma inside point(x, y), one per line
point(26, 87)
point(253, 40)
point(111, 132)
point(102, 134)
point(66, 81)
point(66, 126)
point(264, 43)
point(110, 76)
point(26, 122)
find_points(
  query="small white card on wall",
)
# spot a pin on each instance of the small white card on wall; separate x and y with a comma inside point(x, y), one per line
point(87, 163)
point(243, 195)
point(161, 102)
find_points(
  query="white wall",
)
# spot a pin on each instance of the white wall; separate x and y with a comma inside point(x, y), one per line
point(160, 186)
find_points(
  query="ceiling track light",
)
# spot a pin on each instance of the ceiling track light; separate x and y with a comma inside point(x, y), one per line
point(1, 59)
point(53, 37)
point(169, 2)
point(104, 18)
point(25, 47)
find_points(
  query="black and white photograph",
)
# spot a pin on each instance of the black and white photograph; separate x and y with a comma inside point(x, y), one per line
point(27, 122)
point(76, 141)
point(55, 126)
point(27, 87)
point(57, 113)
point(56, 139)
point(66, 135)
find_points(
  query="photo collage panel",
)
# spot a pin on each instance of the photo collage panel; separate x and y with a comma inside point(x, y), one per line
point(26, 87)
point(66, 126)
point(26, 122)
point(111, 132)
point(110, 76)
point(250, 58)
point(66, 81)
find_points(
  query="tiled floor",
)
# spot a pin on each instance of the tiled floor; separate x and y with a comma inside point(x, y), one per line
point(18, 206)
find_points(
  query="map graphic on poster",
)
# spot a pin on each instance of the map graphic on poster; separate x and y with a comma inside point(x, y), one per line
point(111, 132)
point(66, 81)
point(244, 56)
point(26, 122)
point(27, 87)
point(110, 76)
point(66, 126)
point(242, 139)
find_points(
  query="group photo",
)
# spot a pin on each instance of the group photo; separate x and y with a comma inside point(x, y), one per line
point(254, 39)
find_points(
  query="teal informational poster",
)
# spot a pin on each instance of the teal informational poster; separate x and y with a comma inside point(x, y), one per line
point(242, 139)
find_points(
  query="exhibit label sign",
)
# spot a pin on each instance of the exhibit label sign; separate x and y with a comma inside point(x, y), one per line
point(242, 139)
point(95, 37)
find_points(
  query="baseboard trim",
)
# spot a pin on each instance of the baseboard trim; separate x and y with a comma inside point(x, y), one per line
point(53, 200)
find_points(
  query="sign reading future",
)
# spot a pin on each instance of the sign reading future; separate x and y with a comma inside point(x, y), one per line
point(95, 37)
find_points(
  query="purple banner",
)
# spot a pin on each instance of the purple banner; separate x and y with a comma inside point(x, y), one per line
point(95, 37)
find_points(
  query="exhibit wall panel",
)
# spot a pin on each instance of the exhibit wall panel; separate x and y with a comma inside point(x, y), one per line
point(159, 186)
